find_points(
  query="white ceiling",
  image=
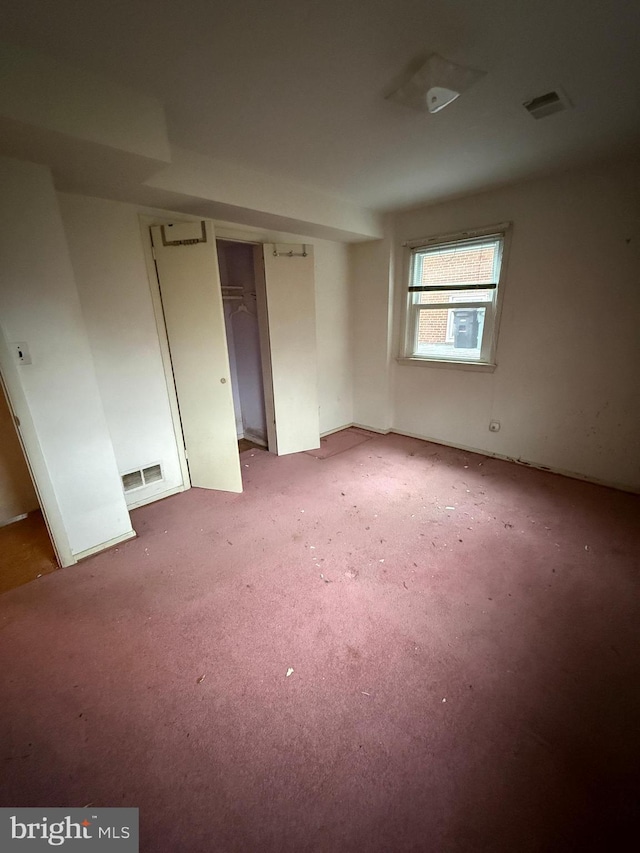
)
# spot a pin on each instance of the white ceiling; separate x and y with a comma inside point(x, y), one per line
point(296, 87)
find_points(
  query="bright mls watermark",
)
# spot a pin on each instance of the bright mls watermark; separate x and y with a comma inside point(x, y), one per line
point(101, 830)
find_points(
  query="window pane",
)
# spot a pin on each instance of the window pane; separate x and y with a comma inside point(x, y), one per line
point(454, 333)
point(431, 296)
point(473, 263)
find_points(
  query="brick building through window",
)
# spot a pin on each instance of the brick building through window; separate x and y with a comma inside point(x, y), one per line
point(453, 289)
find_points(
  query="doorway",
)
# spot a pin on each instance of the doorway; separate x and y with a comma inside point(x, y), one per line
point(236, 261)
point(26, 551)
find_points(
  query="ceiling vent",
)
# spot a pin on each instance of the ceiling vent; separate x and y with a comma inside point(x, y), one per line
point(142, 477)
point(547, 104)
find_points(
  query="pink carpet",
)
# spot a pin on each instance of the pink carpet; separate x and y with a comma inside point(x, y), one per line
point(463, 636)
point(338, 442)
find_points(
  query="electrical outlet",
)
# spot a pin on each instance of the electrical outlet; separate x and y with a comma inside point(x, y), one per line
point(494, 426)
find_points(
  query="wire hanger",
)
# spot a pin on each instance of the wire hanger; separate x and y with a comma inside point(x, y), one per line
point(242, 309)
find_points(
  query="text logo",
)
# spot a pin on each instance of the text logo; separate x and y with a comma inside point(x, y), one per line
point(114, 830)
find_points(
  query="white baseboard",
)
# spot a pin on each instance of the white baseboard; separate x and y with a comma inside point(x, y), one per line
point(103, 546)
point(519, 461)
point(158, 496)
point(373, 429)
point(357, 426)
point(335, 429)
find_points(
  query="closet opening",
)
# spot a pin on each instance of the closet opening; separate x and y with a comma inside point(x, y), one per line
point(244, 323)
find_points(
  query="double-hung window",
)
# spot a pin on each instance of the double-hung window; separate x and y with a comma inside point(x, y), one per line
point(453, 298)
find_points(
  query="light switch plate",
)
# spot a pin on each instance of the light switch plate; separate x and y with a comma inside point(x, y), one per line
point(21, 350)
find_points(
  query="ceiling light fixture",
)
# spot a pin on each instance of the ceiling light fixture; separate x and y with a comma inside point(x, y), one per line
point(435, 85)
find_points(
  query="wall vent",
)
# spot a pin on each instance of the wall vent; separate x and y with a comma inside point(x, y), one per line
point(546, 105)
point(132, 480)
point(152, 474)
point(142, 477)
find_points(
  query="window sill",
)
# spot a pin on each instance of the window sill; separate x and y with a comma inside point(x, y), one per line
point(480, 366)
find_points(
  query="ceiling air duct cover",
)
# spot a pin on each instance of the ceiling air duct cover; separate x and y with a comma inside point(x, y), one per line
point(547, 104)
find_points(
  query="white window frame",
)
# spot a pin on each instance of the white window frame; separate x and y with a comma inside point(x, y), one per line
point(414, 248)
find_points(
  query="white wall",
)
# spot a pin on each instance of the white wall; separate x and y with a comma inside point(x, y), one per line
point(334, 335)
point(106, 251)
point(56, 397)
point(566, 387)
point(372, 272)
point(17, 495)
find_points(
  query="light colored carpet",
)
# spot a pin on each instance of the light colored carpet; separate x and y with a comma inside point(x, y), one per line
point(401, 647)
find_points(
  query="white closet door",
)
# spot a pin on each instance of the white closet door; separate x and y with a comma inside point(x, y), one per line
point(291, 311)
point(187, 263)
